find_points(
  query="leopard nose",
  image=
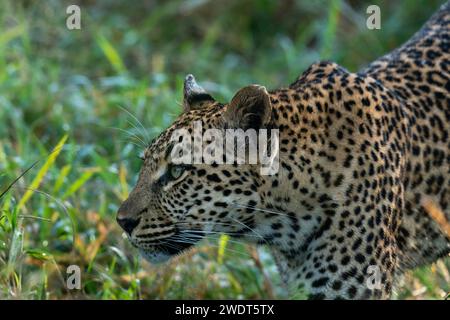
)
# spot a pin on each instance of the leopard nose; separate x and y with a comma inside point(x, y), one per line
point(128, 224)
point(129, 214)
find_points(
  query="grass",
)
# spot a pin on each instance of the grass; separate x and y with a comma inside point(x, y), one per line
point(64, 97)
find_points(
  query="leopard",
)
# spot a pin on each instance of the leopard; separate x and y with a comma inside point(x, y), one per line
point(359, 153)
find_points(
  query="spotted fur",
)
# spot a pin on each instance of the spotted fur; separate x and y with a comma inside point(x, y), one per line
point(359, 152)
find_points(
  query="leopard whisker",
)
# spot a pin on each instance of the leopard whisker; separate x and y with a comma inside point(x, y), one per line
point(226, 248)
point(144, 130)
point(251, 229)
point(130, 135)
point(216, 233)
point(260, 209)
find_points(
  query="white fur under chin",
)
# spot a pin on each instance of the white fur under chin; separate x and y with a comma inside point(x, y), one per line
point(155, 257)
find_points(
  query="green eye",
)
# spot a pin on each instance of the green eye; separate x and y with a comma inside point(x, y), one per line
point(176, 171)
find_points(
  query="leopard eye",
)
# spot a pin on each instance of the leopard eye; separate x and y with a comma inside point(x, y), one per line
point(176, 171)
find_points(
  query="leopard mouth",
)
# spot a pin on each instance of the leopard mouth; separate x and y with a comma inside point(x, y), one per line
point(164, 249)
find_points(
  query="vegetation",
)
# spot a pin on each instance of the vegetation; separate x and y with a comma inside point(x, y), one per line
point(69, 104)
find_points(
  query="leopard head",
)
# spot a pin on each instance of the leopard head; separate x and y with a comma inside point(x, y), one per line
point(176, 203)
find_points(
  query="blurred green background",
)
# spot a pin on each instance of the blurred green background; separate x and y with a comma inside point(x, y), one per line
point(79, 91)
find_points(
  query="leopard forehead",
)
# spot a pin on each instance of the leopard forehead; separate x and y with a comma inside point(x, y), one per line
point(209, 116)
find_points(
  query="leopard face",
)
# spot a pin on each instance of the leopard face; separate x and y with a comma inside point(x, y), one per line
point(174, 205)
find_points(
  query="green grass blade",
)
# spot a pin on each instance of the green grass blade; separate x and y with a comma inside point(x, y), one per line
point(111, 54)
point(40, 175)
point(331, 29)
point(61, 176)
point(223, 240)
point(79, 183)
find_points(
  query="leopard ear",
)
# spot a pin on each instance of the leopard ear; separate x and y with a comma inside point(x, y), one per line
point(249, 108)
point(194, 95)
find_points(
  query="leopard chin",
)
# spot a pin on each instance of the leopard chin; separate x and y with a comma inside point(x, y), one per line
point(155, 257)
point(163, 252)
